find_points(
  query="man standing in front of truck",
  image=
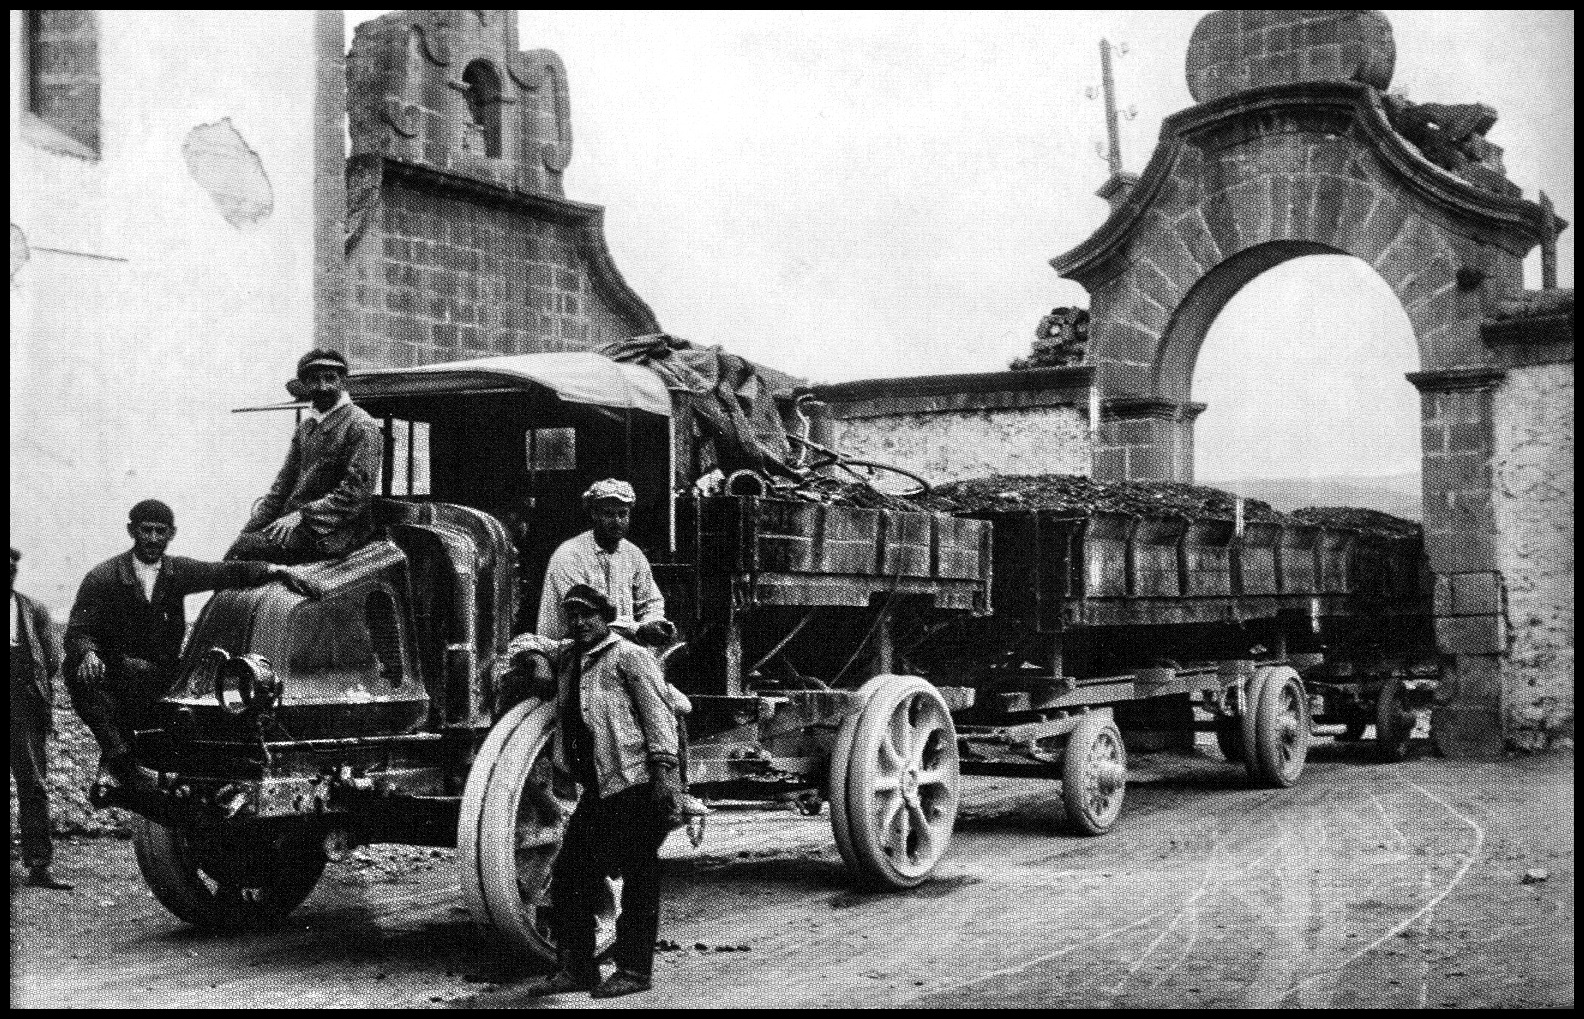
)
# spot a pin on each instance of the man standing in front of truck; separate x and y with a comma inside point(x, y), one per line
point(616, 735)
point(605, 560)
point(319, 506)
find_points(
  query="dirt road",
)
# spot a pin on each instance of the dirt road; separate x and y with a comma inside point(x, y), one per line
point(1368, 884)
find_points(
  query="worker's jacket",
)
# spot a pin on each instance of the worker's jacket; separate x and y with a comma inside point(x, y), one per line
point(622, 696)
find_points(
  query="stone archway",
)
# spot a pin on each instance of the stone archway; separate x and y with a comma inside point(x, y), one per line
point(1294, 149)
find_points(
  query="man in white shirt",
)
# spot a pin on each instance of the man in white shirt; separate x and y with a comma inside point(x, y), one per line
point(605, 560)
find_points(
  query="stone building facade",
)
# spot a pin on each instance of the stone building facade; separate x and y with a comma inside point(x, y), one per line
point(176, 232)
point(460, 240)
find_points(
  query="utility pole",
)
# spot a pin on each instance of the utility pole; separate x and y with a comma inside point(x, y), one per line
point(1113, 133)
point(1119, 183)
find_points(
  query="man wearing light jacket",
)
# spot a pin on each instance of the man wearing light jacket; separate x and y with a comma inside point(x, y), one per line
point(616, 735)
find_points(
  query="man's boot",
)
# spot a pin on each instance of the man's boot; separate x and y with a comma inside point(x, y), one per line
point(622, 982)
point(39, 876)
point(574, 972)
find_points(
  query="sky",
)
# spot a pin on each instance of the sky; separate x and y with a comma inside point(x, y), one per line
point(852, 195)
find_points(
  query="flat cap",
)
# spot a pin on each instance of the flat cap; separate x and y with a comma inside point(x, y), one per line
point(321, 357)
point(610, 488)
point(582, 594)
point(153, 511)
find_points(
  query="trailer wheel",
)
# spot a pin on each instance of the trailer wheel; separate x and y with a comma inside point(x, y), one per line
point(900, 791)
point(1094, 774)
point(1248, 722)
point(226, 882)
point(1229, 737)
point(509, 832)
point(1282, 729)
point(1394, 722)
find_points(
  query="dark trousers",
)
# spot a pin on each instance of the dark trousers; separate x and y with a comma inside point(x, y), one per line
point(618, 835)
point(123, 701)
point(30, 727)
point(252, 546)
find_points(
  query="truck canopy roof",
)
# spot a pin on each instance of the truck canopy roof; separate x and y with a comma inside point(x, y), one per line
point(580, 377)
point(574, 376)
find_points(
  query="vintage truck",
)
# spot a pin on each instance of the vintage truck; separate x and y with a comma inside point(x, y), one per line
point(860, 657)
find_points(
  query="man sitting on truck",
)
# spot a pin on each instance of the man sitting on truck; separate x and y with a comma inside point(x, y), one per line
point(319, 506)
point(127, 626)
point(605, 560)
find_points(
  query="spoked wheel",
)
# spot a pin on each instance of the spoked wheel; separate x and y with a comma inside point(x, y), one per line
point(894, 783)
point(883, 478)
point(227, 882)
point(1229, 737)
point(1394, 722)
point(1282, 728)
point(1248, 722)
point(509, 832)
point(1094, 774)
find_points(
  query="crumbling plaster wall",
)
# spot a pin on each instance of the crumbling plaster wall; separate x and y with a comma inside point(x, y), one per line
point(946, 445)
point(1533, 505)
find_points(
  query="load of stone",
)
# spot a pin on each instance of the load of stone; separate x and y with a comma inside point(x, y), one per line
point(1081, 495)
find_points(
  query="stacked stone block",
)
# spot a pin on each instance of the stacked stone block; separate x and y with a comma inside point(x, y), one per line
point(452, 279)
point(453, 252)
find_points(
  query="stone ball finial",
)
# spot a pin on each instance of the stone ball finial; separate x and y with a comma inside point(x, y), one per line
point(1234, 51)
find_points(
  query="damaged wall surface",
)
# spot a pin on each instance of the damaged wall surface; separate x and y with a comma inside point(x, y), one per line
point(165, 275)
point(1533, 496)
point(948, 427)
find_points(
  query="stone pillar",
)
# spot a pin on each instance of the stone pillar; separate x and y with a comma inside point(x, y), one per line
point(1461, 546)
point(1145, 440)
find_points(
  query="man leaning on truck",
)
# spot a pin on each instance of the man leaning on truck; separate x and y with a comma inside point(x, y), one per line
point(127, 626)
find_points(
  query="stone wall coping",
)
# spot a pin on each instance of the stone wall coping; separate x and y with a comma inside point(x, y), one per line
point(1062, 382)
point(1523, 220)
point(1456, 379)
point(1133, 408)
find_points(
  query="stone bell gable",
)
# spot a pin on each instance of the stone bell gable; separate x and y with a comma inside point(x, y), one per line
point(460, 241)
point(450, 90)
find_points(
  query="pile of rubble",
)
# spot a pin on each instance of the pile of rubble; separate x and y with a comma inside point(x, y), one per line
point(1002, 492)
point(1080, 495)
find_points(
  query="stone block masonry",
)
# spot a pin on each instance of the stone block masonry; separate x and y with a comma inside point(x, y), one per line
point(445, 278)
point(460, 243)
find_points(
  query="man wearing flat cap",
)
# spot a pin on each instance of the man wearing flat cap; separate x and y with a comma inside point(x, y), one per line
point(318, 507)
point(617, 736)
point(127, 626)
point(606, 561)
point(34, 662)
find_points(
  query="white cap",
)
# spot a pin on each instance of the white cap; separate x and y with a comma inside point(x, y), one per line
point(610, 488)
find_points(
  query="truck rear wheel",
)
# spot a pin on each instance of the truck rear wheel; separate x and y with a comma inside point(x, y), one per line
point(894, 783)
point(226, 882)
point(1394, 722)
point(509, 832)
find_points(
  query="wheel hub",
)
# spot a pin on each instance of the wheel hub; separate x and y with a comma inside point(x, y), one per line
point(1109, 777)
point(909, 785)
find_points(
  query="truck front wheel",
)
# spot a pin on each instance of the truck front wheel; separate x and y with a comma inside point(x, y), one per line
point(226, 882)
point(509, 833)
